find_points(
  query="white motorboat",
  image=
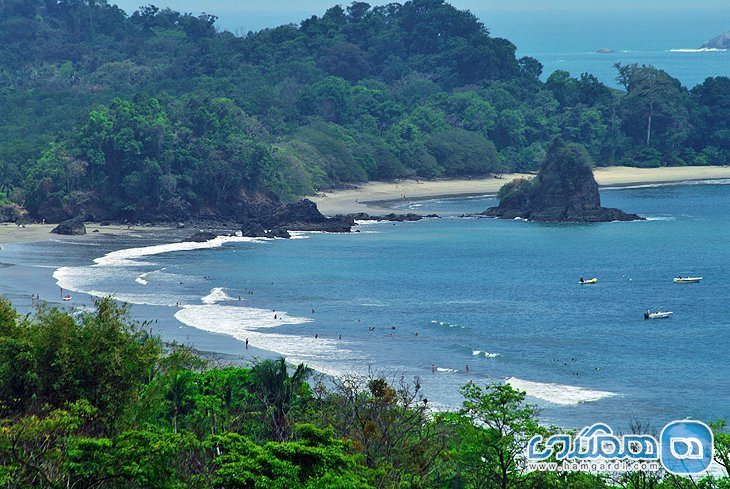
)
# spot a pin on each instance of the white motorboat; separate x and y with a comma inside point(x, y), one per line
point(686, 280)
point(658, 314)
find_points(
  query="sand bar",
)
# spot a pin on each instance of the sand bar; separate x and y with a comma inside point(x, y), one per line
point(11, 233)
point(372, 197)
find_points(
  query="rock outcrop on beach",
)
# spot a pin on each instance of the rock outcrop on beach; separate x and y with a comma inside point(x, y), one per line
point(71, 227)
point(12, 213)
point(564, 190)
point(293, 216)
point(201, 237)
point(720, 42)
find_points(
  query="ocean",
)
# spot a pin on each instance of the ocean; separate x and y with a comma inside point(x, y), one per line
point(500, 296)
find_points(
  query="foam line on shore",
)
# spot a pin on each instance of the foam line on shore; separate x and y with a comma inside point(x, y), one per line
point(564, 395)
point(247, 323)
point(128, 256)
point(707, 181)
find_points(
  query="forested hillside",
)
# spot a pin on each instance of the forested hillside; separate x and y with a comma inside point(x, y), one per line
point(159, 115)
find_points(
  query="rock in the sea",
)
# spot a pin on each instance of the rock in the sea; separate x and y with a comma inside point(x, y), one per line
point(402, 217)
point(564, 190)
point(201, 237)
point(71, 227)
point(720, 42)
point(294, 216)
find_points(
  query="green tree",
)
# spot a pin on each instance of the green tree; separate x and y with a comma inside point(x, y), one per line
point(508, 424)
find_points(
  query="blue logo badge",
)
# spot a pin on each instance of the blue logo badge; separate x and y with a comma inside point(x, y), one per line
point(686, 447)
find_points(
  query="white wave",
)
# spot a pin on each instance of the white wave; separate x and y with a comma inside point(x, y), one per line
point(700, 50)
point(565, 395)
point(448, 325)
point(256, 325)
point(302, 234)
point(216, 295)
point(127, 257)
point(142, 279)
point(447, 370)
point(168, 300)
point(361, 222)
point(708, 181)
point(485, 354)
point(660, 218)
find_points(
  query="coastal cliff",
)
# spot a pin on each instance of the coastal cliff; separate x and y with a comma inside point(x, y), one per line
point(564, 190)
point(719, 42)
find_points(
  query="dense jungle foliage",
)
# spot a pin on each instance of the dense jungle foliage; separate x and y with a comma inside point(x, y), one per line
point(160, 115)
point(92, 399)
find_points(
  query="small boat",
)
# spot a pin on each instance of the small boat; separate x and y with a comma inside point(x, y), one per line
point(67, 298)
point(686, 280)
point(658, 314)
point(589, 281)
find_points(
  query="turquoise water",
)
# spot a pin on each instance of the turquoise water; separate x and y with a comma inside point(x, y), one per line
point(500, 296)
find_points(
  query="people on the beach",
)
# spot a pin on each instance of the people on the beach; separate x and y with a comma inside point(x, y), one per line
point(316, 336)
point(467, 368)
point(247, 343)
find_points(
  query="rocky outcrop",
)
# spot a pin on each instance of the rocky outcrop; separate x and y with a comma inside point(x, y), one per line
point(71, 227)
point(295, 216)
point(201, 237)
point(564, 190)
point(720, 42)
point(12, 213)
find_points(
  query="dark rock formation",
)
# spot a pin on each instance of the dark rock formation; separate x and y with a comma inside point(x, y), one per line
point(12, 213)
point(268, 221)
point(201, 237)
point(720, 42)
point(71, 227)
point(564, 190)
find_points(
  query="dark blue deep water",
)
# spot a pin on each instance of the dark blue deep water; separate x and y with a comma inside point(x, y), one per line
point(500, 296)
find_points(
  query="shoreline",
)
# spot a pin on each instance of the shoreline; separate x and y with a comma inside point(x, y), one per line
point(31, 233)
point(378, 197)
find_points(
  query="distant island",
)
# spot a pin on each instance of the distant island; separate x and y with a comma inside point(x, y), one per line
point(564, 190)
point(719, 42)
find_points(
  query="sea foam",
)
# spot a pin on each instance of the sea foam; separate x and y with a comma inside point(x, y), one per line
point(564, 395)
point(128, 257)
point(326, 355)
point(217, 295)
point(699, 50)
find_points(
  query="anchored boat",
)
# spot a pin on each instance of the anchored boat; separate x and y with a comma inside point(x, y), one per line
point(686, 280)
point(658, 314)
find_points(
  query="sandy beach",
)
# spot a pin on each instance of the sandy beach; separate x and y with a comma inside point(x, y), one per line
point(373, 197)
point(11, 233)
